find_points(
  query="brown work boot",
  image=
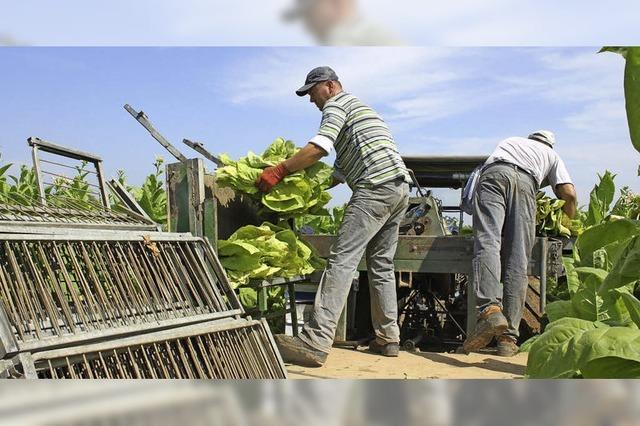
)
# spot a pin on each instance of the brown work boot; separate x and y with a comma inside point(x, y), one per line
point(388, 349)
point(490, 323)
point(507, 346)
point(295, 351)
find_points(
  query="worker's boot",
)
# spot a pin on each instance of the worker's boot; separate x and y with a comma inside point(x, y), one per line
point(490, 323)
point(387, 349)
point(295, 351)
point(507, 346)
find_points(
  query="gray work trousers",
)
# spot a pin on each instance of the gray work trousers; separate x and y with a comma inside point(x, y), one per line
point(504, 209)
point(370, 224)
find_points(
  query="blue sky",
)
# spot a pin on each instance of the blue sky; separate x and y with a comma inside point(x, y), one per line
point(437, 101)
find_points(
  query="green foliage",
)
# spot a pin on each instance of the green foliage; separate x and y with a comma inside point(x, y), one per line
point(265, 252)
point(632, 94)
point(550, 219)
point(261, 253)
point(628, 205)
point(152, 196)
point(299, 193)
point(24, 186)
point(593, 333)
point(76, 191)
point(322, 224)
point(631, 89)
point(600, 199)
point(572, 347)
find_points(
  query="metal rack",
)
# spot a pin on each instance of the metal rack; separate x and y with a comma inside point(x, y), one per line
point(227, 349)
point(92, 289)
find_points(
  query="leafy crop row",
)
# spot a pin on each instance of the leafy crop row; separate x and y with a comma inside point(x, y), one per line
point(594, 332)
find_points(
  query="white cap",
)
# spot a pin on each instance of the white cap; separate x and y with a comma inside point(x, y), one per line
point(544, 136)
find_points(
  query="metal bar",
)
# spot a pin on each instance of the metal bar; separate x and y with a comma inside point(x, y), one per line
point(103, 185)
point(291, 287)
point(102, 236)
point(38, 175)
point(415, 182)
point(142, 118)
point(71, 288)
point(42, 160)
point(66, 178)
point(62, 150)
point(127, 198)
point(14, 216)
point(199, 148)
point(40, 287)
point(543, 275)
point(23, 290)
point(55, 285)
point(461, 212)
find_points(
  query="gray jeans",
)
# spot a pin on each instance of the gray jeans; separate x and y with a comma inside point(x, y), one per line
point(370, 224)
point(504, 228)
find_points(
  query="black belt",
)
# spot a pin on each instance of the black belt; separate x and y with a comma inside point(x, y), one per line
point(515, 166)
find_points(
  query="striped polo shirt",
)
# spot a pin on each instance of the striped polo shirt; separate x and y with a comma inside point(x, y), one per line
point(365, 151)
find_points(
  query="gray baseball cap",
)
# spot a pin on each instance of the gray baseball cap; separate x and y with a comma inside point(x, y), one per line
point(315, 76)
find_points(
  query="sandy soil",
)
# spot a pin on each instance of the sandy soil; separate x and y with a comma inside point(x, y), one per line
point(360, 364)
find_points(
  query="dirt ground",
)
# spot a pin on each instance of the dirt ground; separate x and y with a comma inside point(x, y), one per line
point(360, 364)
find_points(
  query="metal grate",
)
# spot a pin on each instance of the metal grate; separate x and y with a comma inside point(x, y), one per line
point(224, 349)
point(76, 287)
point(66, 187)
point(16, 209)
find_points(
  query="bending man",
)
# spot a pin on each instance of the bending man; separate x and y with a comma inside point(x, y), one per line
point(504, 220)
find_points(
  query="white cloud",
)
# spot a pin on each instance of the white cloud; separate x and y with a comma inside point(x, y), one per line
point(273, 75)
point(599, 118)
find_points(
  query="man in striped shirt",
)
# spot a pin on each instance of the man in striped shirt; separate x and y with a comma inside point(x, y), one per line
point(368, 161)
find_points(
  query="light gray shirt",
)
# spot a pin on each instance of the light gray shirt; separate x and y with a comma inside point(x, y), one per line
point(537, 158)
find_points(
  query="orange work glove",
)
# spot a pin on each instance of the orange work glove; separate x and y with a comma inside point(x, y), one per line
point(271, 176)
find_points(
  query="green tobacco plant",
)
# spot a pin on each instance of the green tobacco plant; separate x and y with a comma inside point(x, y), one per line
point(551, 220)
point(631, 89)
point(628, 205)
point(595, 333)
point(76, 191)
point(600, 199)
point(152, 196)
point(299, 193)
point(322, 224)
point(265, 252)
point(573, 347)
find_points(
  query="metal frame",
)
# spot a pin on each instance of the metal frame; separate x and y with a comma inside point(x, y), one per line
point(261, 287)
point(452, 254)
point(128, 199)
point(19, 213)
point(65, 289)
point(40, 145)
point(225, 349)
point(200, 149)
